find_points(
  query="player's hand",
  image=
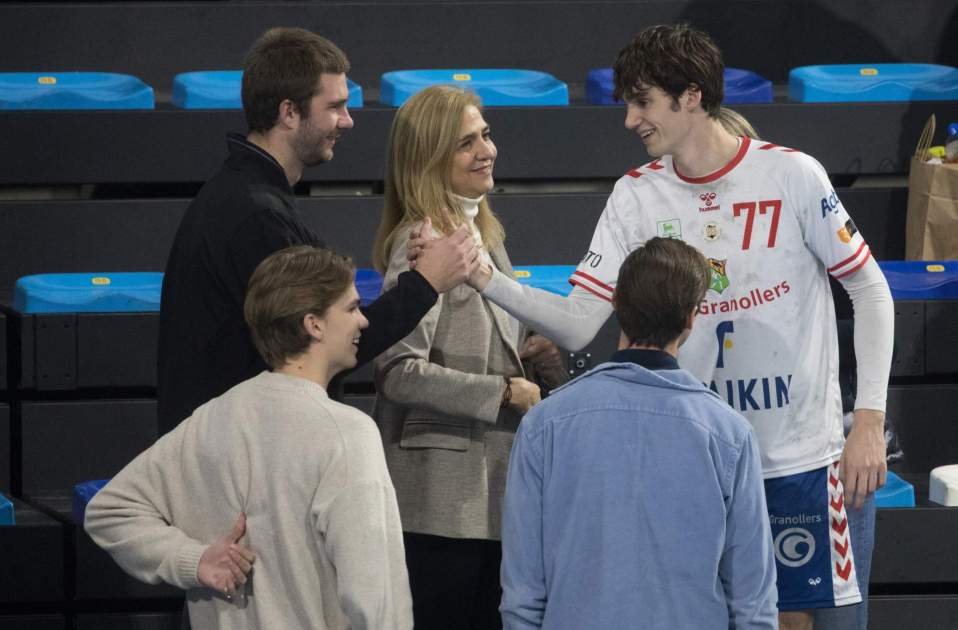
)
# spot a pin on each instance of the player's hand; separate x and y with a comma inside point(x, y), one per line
point(863, 467)
point(480, 277)
point(226, 563)
point(525, 394)
point(541, 352)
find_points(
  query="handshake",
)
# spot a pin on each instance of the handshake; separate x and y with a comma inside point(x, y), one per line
point(448, 261)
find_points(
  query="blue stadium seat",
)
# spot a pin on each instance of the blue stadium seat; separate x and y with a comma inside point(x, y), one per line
point(7, 516)
point(88, 292)
point(870, 83)
point(741, 86)
point(83, 493)
point(369, 284)
point(73, 90)
point(745, 86)
point(220, 89)
point(494, 87)
point(895, 493)
point(921, 280)
point(553, 278)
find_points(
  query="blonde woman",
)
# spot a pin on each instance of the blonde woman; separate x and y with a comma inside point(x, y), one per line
point(452, 393)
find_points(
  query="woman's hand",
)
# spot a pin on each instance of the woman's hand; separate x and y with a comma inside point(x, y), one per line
point(543, 354)
point(525, 394)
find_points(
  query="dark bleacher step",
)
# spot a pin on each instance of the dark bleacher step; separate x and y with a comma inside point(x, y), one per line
point(840, 135)
point(941, 337)
point(924, 418)
point(916, 546)
point(71, 351)
point(927, 612)
point(33, 622)
point(926, 338)
point(136, 234)
point(66, 442)
point(5, 356)
point(92, 573)
point(130, 621)
point(914, 577)
point(6, 439)
point(33, 558)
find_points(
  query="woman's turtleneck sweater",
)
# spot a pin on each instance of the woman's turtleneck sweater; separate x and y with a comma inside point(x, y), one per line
point(470, 209)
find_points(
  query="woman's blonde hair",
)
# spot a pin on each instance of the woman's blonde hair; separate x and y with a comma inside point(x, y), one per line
point(422, 143)
point(736, 124)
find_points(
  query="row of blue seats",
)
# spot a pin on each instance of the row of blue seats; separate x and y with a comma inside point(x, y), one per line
point(140, 291)
point(220, 89)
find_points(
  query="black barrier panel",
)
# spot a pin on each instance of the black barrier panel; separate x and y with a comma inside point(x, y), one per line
point(66, 442)
point(535, 143)
point(910, 547)
point(5, 451)
point(94, 573)
point(541, 228)
point(32, 557)
point(913, 612)
point(567, 38)
point(941, 337)
point(69, 351)
point(909, 339)
point(924, 417)
point(4, 353)
point(32, 622)
point(130, 621)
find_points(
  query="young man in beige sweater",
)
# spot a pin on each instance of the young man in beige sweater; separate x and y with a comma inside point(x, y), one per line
point(305, 476)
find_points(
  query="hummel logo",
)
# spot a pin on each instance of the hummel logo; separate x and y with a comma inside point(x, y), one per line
point(708, 198)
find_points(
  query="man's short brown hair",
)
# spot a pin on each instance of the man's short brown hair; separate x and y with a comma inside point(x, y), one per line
point(671, 57)
point(659, 286)
point(287, 286)
point(286, 63)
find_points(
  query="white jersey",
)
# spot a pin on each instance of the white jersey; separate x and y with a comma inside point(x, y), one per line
point(765, 339)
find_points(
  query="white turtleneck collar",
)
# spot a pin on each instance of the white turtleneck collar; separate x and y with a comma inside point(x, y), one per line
point(470, 209)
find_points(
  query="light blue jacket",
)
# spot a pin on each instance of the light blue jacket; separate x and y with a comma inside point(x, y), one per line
point(634, 499)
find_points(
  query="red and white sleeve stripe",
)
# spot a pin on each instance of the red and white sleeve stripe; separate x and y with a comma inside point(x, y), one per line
point(851, 264)
point(592, 285)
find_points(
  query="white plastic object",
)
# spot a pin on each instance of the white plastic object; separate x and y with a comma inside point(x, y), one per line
point(943, 485)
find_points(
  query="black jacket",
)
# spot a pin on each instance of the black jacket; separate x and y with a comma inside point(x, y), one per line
point(243, 214)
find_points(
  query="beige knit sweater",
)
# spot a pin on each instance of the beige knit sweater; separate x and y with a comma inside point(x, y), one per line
point(321, 511)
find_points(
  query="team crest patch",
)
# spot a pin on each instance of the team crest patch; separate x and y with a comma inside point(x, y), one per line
point(848, 231)
point(670, 228)
point(718, 281)
point(711, 231)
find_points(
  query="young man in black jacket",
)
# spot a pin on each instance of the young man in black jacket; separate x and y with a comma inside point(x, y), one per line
point(294, 96)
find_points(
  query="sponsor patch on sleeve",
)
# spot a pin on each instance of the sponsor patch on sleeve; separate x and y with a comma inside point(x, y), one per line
point(847, 231)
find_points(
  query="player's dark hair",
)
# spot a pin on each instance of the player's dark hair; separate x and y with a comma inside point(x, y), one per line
point(659, 286)
point(286, 63)
point(673, 58)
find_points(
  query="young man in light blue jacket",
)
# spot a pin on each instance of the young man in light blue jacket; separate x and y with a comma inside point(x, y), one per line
point(634, 493)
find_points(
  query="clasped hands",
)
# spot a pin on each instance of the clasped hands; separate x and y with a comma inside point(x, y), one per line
point(447, 261)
